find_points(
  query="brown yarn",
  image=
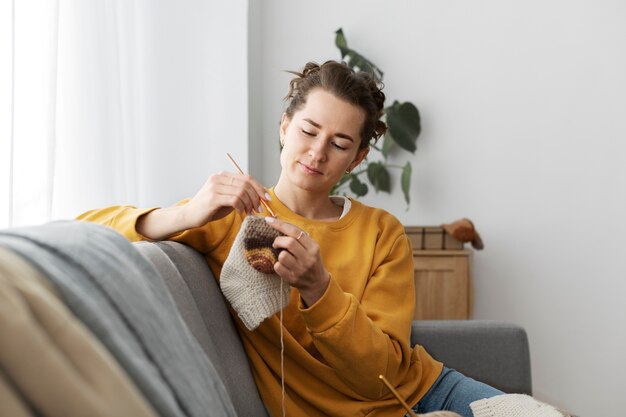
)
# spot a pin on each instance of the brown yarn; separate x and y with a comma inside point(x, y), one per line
point(258, 249)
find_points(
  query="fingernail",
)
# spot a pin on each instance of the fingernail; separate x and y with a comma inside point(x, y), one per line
point(269, 219)
point(268, 197)
point(260, 209)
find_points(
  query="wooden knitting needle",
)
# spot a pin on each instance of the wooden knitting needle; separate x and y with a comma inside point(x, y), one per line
point(395, 393)
point(267, 207)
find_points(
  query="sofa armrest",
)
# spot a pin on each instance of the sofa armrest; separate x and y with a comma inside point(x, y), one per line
point(492, 352)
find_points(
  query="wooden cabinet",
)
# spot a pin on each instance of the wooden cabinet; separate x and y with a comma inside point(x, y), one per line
point(442, 271)
point(442, 284)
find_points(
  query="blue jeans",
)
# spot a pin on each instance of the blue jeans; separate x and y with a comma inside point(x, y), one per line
point(453, 391)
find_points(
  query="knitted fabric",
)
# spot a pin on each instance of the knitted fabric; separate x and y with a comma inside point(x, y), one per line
point(513, 405)
point(253, 294)
point(257, 241)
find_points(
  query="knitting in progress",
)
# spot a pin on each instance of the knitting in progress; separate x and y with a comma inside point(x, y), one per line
point(258, 240)
point(248, 280)
point(513, 405)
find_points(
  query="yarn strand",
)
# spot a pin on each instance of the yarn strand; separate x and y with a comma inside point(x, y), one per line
point(282, 353)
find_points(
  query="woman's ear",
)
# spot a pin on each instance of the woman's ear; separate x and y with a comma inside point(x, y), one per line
point(360, 156)
point(284, 123)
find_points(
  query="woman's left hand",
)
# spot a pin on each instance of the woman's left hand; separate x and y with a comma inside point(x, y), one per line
point(300, 263)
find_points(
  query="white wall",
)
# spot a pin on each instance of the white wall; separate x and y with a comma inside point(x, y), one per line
point(196, 53)
point(522, 106)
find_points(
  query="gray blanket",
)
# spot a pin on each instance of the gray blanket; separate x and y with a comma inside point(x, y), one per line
point(123, 300)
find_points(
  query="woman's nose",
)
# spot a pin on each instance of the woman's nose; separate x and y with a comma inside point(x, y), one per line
point(317, 150)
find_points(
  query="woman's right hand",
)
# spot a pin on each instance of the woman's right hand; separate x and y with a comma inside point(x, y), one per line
point(221, 194)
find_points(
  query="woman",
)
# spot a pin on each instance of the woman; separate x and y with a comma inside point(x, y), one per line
point(350, 266)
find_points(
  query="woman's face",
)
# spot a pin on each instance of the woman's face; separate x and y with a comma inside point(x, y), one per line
point(321, 141)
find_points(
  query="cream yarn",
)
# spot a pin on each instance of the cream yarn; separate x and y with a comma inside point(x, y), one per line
point(254, 295)
point(513, 405)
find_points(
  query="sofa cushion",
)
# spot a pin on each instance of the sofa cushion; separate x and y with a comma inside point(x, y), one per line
point(490, 351)
point(202, 306)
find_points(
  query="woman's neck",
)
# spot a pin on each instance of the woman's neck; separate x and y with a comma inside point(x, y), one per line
point(307, 204)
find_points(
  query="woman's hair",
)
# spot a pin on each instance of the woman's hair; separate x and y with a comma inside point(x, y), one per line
point(357, 88)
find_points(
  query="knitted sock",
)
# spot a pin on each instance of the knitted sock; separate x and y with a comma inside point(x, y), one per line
point(513, 405)
point(248, 280)
point(257, 242)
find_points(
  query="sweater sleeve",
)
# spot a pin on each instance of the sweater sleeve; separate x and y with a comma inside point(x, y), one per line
point(123, 219)
point(362, 339)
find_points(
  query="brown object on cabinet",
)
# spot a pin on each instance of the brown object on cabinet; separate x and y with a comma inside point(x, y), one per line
point(442, 271)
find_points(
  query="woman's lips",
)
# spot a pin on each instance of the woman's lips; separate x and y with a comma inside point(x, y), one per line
point(309, 170)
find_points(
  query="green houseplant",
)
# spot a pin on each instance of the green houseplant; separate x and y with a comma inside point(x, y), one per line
point(403, 121)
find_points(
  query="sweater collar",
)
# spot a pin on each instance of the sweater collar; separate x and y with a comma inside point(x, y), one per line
point(283, 212)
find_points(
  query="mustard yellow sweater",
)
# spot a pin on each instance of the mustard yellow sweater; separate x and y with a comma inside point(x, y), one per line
point(335, 349)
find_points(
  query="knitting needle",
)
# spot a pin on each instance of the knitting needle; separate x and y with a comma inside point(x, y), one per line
point(267, 207)
point(395, 393)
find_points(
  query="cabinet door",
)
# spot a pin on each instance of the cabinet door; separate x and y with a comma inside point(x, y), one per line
point(441, 287)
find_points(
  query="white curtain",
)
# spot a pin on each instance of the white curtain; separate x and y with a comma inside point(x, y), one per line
point(115, 102)
point(28, 83)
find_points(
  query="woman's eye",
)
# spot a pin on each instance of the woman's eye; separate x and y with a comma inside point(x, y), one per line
point(339, 147)
point(307, 133)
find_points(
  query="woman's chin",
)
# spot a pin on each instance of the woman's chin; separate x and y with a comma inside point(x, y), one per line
point(311, 184)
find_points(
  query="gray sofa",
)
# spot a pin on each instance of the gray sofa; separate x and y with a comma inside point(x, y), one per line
point(88, 327)
point(493, 352)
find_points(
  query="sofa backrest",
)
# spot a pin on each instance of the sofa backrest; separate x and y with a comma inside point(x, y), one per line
point(493, 352)
point(202, 306)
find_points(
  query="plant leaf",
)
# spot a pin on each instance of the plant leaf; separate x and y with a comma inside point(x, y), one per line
point(341, 43)
point(359, 62)
point(384, 180)
point(404, 124)
point(379, 177)
point(372, 172)
point(388, 142)
point(355, 60)
point(357, 187)
point(406, 181)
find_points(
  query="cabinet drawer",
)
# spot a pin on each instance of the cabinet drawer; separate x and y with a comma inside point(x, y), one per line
point(442, 287)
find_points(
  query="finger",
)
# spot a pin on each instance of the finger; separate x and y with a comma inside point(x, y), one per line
point(289, 244)
point(288, 260)
point(237, 185)
point(252, 187)
point(226, 178)
point(226, 185)
point(232, 196)
point(229, 180)
point(285, 273)
point(288, 267)
point(285, 228)
point(230, 200)
point(261, 192)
